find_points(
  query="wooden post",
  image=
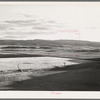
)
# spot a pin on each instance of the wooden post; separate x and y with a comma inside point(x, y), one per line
point(19, 68)
point(64, 64)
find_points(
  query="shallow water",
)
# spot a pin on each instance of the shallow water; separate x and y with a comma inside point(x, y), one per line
point(33, 63)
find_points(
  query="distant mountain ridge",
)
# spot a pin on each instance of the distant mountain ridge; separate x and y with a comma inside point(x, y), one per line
point(39, 42)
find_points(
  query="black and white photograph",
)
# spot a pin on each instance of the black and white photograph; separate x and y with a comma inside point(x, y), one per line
point(50, 46)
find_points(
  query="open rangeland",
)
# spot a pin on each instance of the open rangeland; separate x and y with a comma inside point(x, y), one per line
point(50, 66)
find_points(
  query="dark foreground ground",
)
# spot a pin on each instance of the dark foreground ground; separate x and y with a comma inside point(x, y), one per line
point(82, 77)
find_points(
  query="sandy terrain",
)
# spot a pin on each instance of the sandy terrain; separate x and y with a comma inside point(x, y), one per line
point(82, 77)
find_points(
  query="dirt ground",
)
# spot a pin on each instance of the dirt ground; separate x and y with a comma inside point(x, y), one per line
point(81, 77)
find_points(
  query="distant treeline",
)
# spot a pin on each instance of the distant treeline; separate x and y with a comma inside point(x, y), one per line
point(19, 55)
point(25, 47)
point(95, 50)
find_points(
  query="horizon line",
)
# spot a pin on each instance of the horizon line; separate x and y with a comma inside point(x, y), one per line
point(48, 40)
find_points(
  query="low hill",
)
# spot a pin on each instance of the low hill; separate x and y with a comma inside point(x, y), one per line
point(39, 42)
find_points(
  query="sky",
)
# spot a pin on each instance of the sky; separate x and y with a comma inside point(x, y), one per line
point(50, 20)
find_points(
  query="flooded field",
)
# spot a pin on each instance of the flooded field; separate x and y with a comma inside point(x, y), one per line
point(33, 63)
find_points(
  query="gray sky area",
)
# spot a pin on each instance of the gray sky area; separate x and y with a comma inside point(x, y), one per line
point(50, 20)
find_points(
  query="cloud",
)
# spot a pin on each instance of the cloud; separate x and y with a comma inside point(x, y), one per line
point(41, 28)
point(22, 22)
point(4, 26)
point(28, 25)
point(92, 27)
point(20, 29)
point(11, 37)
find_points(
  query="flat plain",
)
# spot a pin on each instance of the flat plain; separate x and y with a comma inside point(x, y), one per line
point(39, 65)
